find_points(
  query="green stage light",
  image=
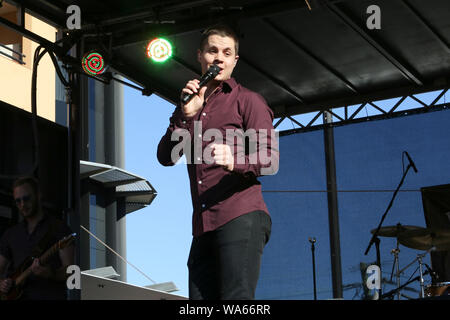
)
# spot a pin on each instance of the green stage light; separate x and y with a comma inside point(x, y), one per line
point(159, 50)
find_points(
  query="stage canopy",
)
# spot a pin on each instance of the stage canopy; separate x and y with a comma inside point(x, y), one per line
point(302, 56)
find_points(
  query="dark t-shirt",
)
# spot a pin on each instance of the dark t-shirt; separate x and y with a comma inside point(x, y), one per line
point(17, 245)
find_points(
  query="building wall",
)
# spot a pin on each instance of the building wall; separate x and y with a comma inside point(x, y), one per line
point(106, 145)
point(15, 79)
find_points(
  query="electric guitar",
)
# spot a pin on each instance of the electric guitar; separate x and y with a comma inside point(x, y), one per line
point(24, 271)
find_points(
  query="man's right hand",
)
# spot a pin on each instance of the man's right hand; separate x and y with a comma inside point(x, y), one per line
point(196, 103)
point(5, 285)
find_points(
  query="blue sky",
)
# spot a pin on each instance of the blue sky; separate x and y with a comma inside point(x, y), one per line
point(159, 236)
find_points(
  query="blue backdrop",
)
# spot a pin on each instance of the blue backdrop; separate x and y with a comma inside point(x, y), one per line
point(369, 166)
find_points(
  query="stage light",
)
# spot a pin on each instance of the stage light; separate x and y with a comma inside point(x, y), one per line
point(93, 63)
point(159, 50)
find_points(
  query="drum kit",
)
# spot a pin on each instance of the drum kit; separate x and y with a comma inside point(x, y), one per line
point(419, 238)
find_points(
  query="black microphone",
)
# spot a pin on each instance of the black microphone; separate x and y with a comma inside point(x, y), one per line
point(411, 162)
point(433, 274)
point(210, 74)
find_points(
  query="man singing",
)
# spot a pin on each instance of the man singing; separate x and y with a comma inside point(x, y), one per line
point(230, 223)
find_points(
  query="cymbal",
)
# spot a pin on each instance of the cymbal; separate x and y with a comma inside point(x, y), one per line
point(426, 239)
point(395, 231)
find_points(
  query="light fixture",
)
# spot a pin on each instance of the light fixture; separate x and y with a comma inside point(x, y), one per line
point(159, 50)
point(93, 63)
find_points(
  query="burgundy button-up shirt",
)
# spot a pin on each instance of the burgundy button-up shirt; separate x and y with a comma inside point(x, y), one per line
point(240, 118)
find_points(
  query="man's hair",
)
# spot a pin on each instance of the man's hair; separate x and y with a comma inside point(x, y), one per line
point(221, 30)
point(31, 181)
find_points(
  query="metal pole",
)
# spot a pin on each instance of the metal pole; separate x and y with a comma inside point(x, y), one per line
point(313, 241)
point(398, 271)
point(422, 291)
point(81, 141)
point(73, 101)
point(333, 216)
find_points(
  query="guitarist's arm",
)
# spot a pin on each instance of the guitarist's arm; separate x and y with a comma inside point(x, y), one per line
point(5, 283)
point(67, 258)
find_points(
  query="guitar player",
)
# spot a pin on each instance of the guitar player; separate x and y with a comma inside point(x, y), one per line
point(28, 240)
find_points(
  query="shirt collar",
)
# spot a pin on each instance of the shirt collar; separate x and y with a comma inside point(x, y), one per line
point(229, 84)
point(44, 217)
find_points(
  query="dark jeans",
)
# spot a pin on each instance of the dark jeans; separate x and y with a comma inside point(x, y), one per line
point(224, 264)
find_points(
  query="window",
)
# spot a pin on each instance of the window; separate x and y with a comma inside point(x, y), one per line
point(11, 41)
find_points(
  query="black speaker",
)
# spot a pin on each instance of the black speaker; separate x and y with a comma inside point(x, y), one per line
point(436, 206)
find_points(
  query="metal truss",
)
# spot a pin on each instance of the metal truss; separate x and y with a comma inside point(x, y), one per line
point(348, 114)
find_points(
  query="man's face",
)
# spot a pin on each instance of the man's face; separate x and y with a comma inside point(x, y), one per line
point(220, 51)
point(25, 200)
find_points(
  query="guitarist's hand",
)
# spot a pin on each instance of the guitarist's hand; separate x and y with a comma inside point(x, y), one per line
point(41, 271)
point(5, 285)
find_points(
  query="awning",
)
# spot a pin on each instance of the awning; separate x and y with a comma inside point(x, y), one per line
point(137, 192)
point(98, 288)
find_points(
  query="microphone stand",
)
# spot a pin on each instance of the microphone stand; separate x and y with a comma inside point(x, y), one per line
point(375, 238)
point(312, 241)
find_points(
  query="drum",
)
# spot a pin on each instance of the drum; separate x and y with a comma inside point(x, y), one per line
point(437, 289)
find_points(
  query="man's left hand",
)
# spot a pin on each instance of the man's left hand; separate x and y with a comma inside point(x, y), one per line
point(223, 156)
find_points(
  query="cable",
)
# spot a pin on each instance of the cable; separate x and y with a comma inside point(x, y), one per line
point(37, 57)
point(58, 70)
point(403, 162)
point(116, 253)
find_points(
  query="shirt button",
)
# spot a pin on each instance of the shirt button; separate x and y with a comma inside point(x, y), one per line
point(204, 113)
point(184, 121)
point(200, 182)
point(203, 205)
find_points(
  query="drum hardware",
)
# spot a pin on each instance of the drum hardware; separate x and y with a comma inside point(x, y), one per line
point(394, 291)
point(422, 287)
point(426, 238)
point(395, 231)
point(421, 273)
point(434, 275)
point(437, 289)
point(429, 239)
point(396, 265)
point(391, 231)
